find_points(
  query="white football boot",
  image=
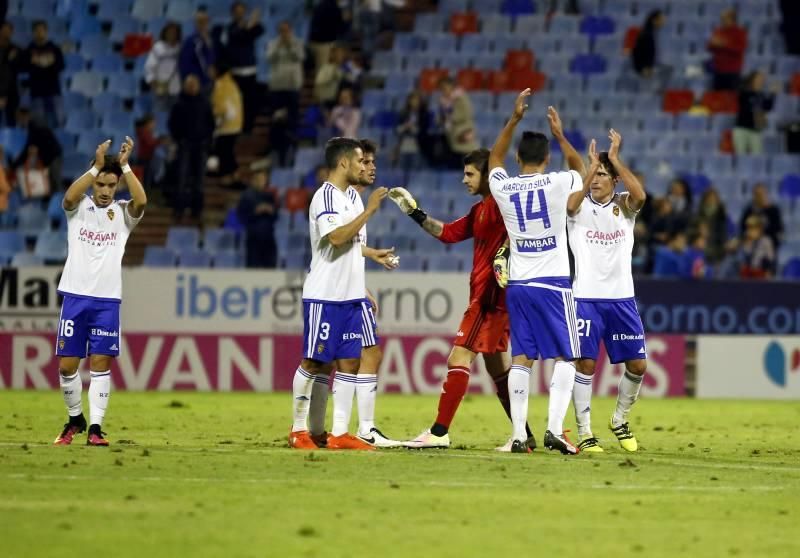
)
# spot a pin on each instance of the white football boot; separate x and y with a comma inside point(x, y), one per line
point(428, 440)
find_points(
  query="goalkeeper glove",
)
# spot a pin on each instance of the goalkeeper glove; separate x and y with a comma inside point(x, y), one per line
point(406, 202)
point(501, 266)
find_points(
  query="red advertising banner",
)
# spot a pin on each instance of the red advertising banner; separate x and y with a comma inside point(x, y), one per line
point(227, 362)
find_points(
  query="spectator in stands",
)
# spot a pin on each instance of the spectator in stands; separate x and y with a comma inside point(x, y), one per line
point(226, 102)
point(161, 67)
point(680, 198)
point(670, 259)
point(191, 125)
point(761, 206)
point(647, 51)
point(754, 104)
point(44, 63)
point(258, 211)
point(413, 133)
point(695, 264)
point(456, 118)
point(756, 254)
point(5, 191)
point(285, 54)
point(41, 145)
point(663, 223)
point(236, 44)
point(11, 57)
point(329, 78)
point(326, 27)
point(728, 44)
point(790, 25)
point(711, 222)
point(147, 150)
point(353, 71)
point(345, 117)
point(197, 52)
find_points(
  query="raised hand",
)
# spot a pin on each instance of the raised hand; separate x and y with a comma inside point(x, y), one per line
point(375, 198)
point(521, 104)
point(403, 198)
point(100, 153)
point(616, 142)
point(594, 159)
point(125, 151)
point(556, 127)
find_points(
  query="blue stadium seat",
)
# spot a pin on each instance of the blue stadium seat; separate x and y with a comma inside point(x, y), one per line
point(145, 10)
point(87, 83)
point(440, 43)
point(194, 258)
point(75, 164)
point(597, 25)
point(217, 240)
point(698, 183)
point(66, 8)
point(450, 6)
point(68, 140)
point(752, 164)
point(107, 63)
point(159, 256)
point(51, 246)
point(55, 211)
point(530, 25)
point(691, 123)
point(474, 44)
point(74, 101)
point(516, 8)
point(26, 259)
point(411, 262)
point(307, 158)
point(792, 269)
point(105, 103)
point(180, 10)
point(784, 164)
point(74, 62)
point(124, 84)
point(495, 24)
point(602, 84)
point(93, 46)
point(182, 239)
point(118, 124)
point(487, 60)
point(296, 260)
point(80, 120)
point(790, 187)
point(698, 30)
point(89, 140)
point(227, 259)
point(111, 11)
point(429, 23)
point(588, 64)
point(122, 27)
point(503, 43)
point(445, 262)
point(37, 9)
point(13, 141)
point(385, 62)
point(11, 242)
point(284, 177)
point(405, 43)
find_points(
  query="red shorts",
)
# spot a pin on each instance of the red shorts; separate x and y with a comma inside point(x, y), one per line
point(483, 331)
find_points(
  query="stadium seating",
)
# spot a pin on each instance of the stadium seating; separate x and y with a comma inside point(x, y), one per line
point(159, 256)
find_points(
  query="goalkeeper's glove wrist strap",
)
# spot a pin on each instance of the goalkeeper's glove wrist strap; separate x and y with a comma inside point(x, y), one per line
point(418, 215)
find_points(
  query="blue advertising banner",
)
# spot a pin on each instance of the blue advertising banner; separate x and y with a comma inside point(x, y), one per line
point(719, 307)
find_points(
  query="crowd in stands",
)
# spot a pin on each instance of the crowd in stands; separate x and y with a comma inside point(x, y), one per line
point(707, 88)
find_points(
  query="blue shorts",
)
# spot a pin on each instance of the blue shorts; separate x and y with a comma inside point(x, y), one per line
point(331, 331)
point(88, 323)
point(543, 321)
point(369, 327)
point(617, 323)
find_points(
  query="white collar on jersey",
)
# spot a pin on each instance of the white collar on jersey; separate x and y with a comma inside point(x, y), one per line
point(591, 199)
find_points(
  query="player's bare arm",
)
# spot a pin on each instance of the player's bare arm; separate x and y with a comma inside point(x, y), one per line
point(636, 194)
point(346, 233)
point(383, 256)
point(497, 155)
point(138, 195)
point(574, 160)
point(576, 198)
point(408, 205)
point(76, 190)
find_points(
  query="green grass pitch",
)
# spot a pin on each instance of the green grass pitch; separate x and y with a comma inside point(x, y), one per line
point(208, 475)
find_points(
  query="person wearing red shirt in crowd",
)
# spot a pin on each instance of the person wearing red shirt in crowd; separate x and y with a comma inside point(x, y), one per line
point(728, 44)
point(484, 329)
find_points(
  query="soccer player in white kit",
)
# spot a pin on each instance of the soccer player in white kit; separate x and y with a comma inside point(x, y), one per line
point(600, 229)
point(333, 293)
point(539, 295)
point(97, 229)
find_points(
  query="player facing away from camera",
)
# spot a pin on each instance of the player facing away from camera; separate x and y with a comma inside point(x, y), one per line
point(484, 327)
point(333, 293)
point(600, 226)
point(539, 297)
point(365, 382)
point(97, 229)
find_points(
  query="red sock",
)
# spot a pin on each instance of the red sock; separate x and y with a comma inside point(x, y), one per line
point(455, 386)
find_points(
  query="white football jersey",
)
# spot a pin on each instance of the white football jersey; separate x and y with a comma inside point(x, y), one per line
point(601, 238)
point(336, 274)
point(96, 243)
point(534, 209)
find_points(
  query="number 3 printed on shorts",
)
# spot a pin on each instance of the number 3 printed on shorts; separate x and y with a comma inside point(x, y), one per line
point(325, 330)
point(65, 328)
point(581, 323)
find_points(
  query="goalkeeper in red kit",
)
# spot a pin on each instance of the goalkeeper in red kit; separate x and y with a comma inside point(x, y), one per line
point(484, 329)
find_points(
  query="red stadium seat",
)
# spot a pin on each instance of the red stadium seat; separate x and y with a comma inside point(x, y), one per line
point(794, 86)
point(528, 78)
point(471, 79)
point(721, 101)
point(678, 100)
point(462, 23)
point(136, 44)
point(500, 81)
point(297, 199)
point(430, 77)
point(726, 142)
point(630, 39)
point(518, 60)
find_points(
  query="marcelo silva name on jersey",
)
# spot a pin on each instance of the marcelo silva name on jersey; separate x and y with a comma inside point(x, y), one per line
point(98, 238)
point(524, 186)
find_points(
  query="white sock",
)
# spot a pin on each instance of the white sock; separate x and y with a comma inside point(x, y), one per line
point(344, 389)
point(301, 390)
point(319, 404)
point(582, 402)
point(366, 390)
point(519, 379)
point(629, 386)
point(99, 392)
point(560, 395)
point(71, 388)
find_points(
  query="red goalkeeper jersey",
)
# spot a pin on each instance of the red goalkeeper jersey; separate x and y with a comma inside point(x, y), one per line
point(485, 224)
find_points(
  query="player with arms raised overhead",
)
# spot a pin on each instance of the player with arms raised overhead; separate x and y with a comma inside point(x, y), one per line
point(97, 229)
point(366, 381)
point(600, 226)
point(333, 293)
point(539, 297)
point(484, 328)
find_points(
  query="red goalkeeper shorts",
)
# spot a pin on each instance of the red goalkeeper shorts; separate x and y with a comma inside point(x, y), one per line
point(483, 331)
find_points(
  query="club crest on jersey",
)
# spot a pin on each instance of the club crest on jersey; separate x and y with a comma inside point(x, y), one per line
point(320, 348)
point(61, 344)
point(616, 211)
point(110, 214)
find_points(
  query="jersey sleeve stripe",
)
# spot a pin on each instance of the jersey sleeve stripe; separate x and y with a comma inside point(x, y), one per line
point(499, 175)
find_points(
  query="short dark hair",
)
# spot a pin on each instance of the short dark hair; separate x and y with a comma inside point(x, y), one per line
point(608, 165)
point(110, 165)
point(336, 148)
point(167, 26)
point(38, 22)
point(479, 158)
point(533, 149)
point(368, 146)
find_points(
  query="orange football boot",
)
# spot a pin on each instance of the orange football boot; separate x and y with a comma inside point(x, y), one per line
point(347, 442)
